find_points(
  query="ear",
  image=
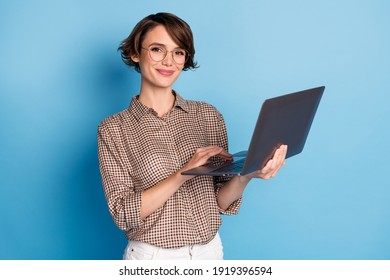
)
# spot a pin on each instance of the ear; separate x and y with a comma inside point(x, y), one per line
point(135, 57)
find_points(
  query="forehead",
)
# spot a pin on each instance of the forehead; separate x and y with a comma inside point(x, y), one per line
point(159, 35)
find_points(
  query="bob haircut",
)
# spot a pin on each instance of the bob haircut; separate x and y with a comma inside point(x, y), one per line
point(177, 28)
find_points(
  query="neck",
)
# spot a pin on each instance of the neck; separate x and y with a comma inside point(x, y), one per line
point(161, 100)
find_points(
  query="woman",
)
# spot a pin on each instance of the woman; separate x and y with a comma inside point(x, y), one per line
point(144, 149)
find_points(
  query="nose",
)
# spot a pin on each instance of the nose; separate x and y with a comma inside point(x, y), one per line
point(168, 59)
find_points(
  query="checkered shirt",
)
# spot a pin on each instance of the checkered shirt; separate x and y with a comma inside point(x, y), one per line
point(137, 150)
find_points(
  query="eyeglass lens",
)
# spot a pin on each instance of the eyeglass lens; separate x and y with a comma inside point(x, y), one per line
point(158, 53)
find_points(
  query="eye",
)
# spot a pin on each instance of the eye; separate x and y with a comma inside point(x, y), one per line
point(180, 53)
point(157, 49)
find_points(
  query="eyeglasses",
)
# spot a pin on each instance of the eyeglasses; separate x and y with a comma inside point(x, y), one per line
point(158, 53)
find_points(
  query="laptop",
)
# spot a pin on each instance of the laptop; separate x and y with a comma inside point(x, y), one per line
point(282, 120)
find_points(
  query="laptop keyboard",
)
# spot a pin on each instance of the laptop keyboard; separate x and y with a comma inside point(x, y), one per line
point(234, 167)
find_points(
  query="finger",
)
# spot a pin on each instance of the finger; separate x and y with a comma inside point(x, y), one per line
point(272, 163)
point(272, 167)
point(279, 157)
point(264, 174)
point(204, 151)
point(224, 154)
point(202, 155)
point(284, 152)
point(266, 170)
point(276, 170)
point(214, 151)
point(280, 160)
point(221, 152)
point(210, 151)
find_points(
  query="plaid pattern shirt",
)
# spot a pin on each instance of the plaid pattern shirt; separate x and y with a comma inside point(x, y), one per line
point(137, 150)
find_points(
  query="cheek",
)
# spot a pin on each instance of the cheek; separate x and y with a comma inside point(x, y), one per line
point(145, 64)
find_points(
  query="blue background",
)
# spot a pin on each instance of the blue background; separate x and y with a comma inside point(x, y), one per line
point(60, 75)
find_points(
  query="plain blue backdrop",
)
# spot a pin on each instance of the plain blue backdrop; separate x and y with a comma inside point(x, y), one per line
point(60, 75)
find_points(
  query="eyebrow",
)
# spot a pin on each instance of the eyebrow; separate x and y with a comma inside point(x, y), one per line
point(162, 45)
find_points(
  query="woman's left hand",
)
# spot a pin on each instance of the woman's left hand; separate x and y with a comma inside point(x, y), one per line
point(272, 167)
point(233, 189)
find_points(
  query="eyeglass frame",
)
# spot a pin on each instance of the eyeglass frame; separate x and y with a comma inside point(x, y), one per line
point(187, 56)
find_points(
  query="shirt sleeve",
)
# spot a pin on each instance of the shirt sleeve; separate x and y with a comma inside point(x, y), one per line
point(218, 136)
point(124, 203)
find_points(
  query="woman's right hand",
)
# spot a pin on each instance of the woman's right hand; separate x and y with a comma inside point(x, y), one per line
point(202, 155)
point(156, 196)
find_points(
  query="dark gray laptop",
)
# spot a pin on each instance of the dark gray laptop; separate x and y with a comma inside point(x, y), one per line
point(284, 119)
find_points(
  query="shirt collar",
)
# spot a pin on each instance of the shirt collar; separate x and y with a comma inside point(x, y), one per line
point(181, 102)
point(139, 110)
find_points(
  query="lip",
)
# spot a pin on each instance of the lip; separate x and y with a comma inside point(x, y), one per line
point(165, 72)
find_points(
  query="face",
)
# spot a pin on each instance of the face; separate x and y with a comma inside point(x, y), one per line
point(164, 73)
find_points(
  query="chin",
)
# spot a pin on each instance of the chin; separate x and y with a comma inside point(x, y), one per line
point(166, 84)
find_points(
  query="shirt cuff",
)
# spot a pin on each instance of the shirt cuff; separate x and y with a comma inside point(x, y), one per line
point(233, 208)
point(128, 218)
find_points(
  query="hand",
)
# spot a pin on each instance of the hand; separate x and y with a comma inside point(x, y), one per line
point(272, 167)
point(202, 155)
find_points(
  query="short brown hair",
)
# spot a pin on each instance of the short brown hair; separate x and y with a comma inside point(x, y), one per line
point(177, 28)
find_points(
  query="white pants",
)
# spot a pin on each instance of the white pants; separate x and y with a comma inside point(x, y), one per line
point(137, 250)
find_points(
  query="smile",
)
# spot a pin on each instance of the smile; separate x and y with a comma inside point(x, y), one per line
point(166, 73)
